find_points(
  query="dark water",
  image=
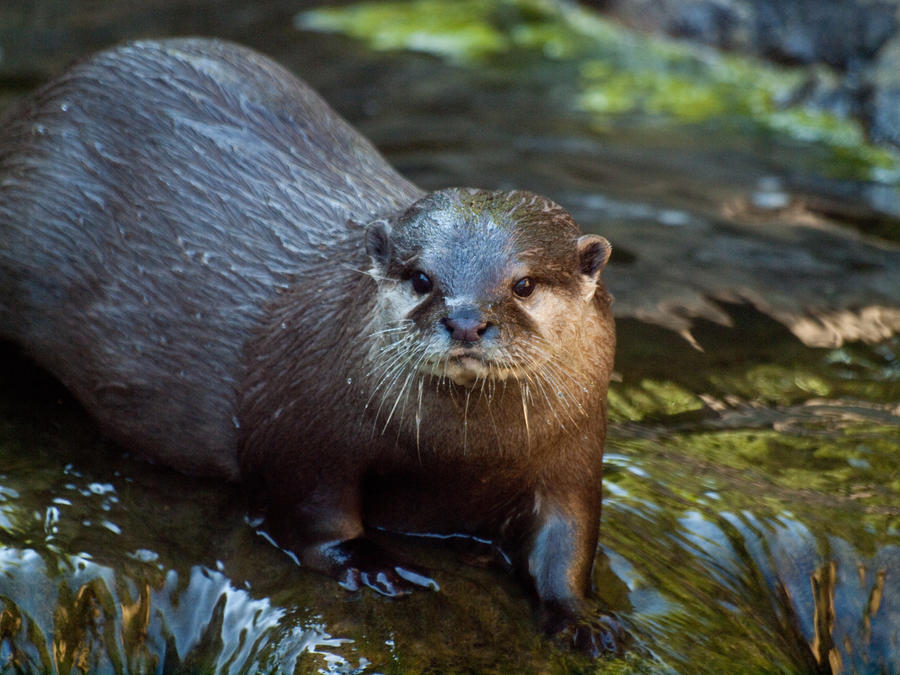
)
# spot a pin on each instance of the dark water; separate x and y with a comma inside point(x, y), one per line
point(752, 512)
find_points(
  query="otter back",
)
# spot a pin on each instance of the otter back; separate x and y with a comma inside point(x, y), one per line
point(152, 199)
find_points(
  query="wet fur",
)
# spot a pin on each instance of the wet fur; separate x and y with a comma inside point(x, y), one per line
point(136, 268)
point(213, 262)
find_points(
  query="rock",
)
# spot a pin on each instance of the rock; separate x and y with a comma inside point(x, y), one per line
point(719, 23)
point(837, 32)
point(716, 22)
point(882, 109)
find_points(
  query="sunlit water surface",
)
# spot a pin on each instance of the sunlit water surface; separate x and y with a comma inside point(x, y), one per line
point(752, 495)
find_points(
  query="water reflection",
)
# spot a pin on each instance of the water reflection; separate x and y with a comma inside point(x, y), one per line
point(93, 618)
point(755, 587)
point(757, 498)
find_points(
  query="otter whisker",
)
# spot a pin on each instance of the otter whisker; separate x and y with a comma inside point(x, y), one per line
point(402, 363)
point(405, 359)
point(544, 379)
point(419, 421)
point(366, 273)
point(563, 380)
point(551, 386)
point(400, 344)
point(386, 364)
point(405, 390)
point(466, 423)
point(393, 329)
point(523, 388)
point(389, 370)
point(400, 395)
point(545, 358)
point(480, 382)
point(389, 381)
point(490, 412)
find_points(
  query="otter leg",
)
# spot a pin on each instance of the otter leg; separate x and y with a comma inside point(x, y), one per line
point(558, 558)
point(325, 531)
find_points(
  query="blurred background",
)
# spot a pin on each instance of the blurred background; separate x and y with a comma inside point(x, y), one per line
point(743, 157)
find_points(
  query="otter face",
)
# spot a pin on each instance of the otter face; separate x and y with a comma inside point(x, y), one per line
point(478, 285)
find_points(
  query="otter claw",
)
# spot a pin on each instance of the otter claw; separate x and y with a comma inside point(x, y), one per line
point(418, 578)
point(592, 633)
point(597, 636)
point(391, 583)
point(361, 563)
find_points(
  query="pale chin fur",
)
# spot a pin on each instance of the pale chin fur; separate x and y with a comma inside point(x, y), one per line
point(466, 370)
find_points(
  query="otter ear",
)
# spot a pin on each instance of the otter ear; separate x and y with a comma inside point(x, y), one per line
point(593, 252)
point(378, 242)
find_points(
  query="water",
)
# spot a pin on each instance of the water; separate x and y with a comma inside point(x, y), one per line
point(752, 511)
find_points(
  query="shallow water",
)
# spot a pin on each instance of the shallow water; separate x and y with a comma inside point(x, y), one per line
point(752, 513)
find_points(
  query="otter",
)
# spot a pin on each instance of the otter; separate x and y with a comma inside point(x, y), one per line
point(235, 283)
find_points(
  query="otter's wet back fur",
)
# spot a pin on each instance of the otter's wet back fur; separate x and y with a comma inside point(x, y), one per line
point(152, 200)
point(235, 283)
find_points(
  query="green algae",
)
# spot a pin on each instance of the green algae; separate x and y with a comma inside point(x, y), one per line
point(773, 383)
point(650, 398)
point(463, 33)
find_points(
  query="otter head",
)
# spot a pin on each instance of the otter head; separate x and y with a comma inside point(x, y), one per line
point(480, 285)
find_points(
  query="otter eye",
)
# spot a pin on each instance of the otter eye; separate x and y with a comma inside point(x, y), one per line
point(524, 287)
point(421, 283)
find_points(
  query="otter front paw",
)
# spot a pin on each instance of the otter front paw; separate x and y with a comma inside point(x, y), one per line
point(359, 562)
point(594, 633)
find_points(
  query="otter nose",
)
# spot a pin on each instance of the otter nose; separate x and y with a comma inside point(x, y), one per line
point(466, 327)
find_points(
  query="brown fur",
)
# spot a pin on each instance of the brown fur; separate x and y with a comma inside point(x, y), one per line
point(223, 271)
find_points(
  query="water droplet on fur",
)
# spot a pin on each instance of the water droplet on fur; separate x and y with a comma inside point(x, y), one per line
point(349, 380)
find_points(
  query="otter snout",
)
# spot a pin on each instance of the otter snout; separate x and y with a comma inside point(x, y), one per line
point(466, 325)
